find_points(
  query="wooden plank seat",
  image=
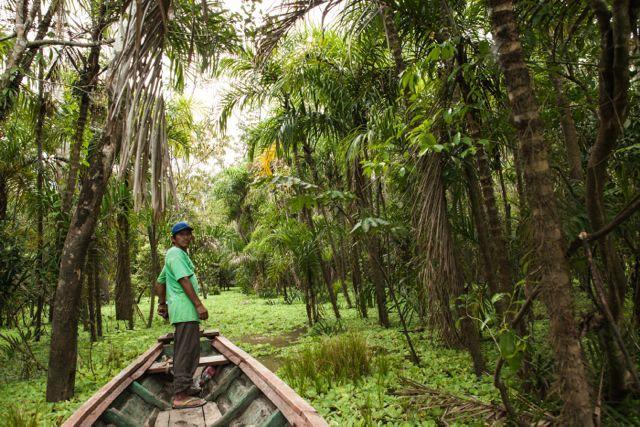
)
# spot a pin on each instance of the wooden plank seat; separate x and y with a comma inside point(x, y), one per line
point(209, 333)
point(165, 366)
point(203, 416)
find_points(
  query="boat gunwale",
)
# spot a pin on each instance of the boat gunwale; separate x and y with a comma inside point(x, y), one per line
point(92, 409)
point(295, 409)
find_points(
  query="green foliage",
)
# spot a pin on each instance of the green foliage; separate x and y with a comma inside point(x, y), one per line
point(13, 269)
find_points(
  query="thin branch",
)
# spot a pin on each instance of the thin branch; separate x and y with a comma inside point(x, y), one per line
point(56, 42)
point(629, 210)
point(604, 307)
point(9, 37)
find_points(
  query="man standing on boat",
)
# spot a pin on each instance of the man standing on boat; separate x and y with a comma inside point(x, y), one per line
point(178, 288)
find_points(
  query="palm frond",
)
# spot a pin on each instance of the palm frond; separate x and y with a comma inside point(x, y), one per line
point(137, 102)
point(287, 14)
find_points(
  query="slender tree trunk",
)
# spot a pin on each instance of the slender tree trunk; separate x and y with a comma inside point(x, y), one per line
point(517, 163)
point(91, 298)
point(40, 289)
point(155, 268)
point(479, 219)
point(285, 294)
point(506, 206)
point(4, 199)
point(124, 294)
point(324, 268)
point(555, 275)
point(372, 247)
point(377, 277)
point(636, 291)
point(497, 244)
point(64, 333)
point(356, 279)
point(302, 287)
point(308, 219)
point(97, 291)
point(312, 296)
point(337, 259)
point(568, 129)
point(500, 247)
point(391, 33)
point(615, 30)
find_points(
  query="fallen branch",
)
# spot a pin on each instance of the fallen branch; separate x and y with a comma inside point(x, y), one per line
point(456, 408)
point(460, 409)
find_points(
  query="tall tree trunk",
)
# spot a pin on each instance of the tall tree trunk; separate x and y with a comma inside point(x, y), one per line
point(40, 290)
point(479, 219)
point(356, 278)
point(635, 285)
point(155, 267)
point(555, 275)
point(63, 353)
point(568, 129)
point(343, 268)
point(324, 268)
point(497, 244)
point(302, 287)
point(84, 89)
point(337, 257)
point(378, 279)
point(124, 293)
point(312, 296)
point(83, 92)
point(372, 245)
point(4, 199)
point(308, 219)
point(91, 288)
point(97, 290)
point(440, 272)
point(391, 33)
point(506, 206)
point(615, 30)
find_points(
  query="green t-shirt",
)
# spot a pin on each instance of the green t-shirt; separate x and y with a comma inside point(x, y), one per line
point(177, 265)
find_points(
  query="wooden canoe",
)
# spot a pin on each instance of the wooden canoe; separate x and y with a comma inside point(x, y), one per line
point(242, 392)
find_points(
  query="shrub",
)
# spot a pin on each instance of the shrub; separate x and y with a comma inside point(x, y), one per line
point(336, 359)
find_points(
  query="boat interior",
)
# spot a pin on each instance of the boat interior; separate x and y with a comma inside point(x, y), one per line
point(233, 399)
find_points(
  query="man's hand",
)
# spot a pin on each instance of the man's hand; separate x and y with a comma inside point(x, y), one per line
point(203, 314)
point(162, 310)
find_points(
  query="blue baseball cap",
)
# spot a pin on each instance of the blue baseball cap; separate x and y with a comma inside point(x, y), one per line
point(179, 226)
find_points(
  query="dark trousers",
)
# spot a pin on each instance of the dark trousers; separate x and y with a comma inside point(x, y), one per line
point(186, 354)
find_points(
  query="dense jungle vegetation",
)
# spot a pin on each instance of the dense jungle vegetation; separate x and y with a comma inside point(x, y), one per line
point(435, 218)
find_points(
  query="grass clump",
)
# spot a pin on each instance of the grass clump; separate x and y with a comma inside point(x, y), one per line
point(18, 418)
point(336, 359)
